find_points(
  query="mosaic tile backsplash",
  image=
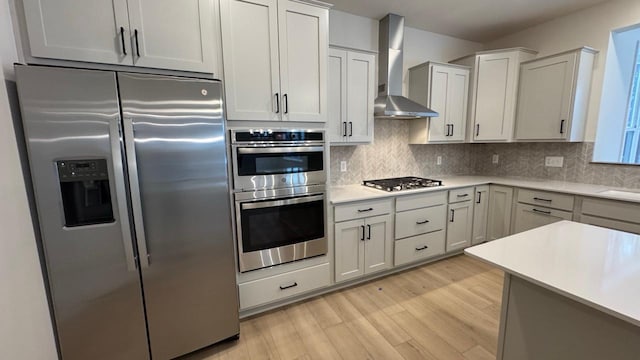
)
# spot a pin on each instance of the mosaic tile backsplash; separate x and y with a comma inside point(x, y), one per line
point(390, 155)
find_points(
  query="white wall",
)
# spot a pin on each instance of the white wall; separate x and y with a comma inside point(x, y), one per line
point(25, 325)
point(590, 27)
point(361, 33)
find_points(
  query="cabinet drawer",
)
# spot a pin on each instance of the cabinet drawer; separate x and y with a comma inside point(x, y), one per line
point(547, 199)
point(611, 224)
point(262, 291)
point(617, 210)
point(420, 221)
point(532, 216)
point(362, 210)
point(419, 247)
point(420, 201)
point(458, 195)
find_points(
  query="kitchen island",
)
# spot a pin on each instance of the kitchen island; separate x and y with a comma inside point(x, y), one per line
point(571, 291)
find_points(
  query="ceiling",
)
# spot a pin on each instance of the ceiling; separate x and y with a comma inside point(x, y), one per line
point(476, 20)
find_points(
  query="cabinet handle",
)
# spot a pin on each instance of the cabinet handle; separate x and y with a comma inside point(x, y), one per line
point(422, 222)
point(344, 128)
point(453, 213)
point(285, 97)
point(362, 237)
point(422, 248)
point(479, 197)
point(350, 128)
point(447, 133)
point(135, 35)
point(288, 286)
point(124, 48)
point(452, 127)
point(277, 103)
point(477, 129)
point(369, 234)
point(562, 126)
point(541, 199)
point(542, 211)
point(462, 195)
point(365, 210)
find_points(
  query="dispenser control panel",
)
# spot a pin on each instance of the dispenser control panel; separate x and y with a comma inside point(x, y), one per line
point(74, 170)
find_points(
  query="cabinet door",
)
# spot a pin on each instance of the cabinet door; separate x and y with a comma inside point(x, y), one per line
point(459, 225)
point(438, 91)
point(457, 101)
point(337, 96)
point(499, 219)
point(349, 248)
point(494, 96)
point(360, 96)
point(378, 245)
point(89, 30)
point(176, 35)
point(480, 213)
point(250, 59)
point(531, 216)
point(545, 98)
point(303, 34)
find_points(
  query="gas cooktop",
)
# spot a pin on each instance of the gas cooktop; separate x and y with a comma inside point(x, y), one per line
point(402, 183)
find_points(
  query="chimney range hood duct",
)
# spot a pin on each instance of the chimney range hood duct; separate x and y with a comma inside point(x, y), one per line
point(390, 103)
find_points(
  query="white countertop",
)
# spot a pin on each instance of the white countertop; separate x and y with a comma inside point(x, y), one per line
point(594, 266)
point(357, 192)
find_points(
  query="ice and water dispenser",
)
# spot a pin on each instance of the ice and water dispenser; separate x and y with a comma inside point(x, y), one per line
point(86, 197)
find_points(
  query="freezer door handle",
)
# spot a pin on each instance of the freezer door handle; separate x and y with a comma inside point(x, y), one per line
point(115, 136)
point(134, 186)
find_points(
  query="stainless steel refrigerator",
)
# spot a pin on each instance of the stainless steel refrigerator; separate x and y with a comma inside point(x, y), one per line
point(130, 183)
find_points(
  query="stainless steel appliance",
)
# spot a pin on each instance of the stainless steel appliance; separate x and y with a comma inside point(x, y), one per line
point(130, 183)
point(268, 159)
point(282, 217)
point(402, 183)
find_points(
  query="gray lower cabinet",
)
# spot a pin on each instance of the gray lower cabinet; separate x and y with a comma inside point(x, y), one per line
point(459, 225)
point(363, 246)
point(618, 215)
point(532, 216)
point(480, 214)
point(499, 219)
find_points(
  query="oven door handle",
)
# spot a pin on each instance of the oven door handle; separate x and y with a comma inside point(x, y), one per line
point(267, 204)
point(279, 150)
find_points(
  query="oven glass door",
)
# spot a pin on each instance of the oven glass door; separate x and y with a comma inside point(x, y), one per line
point(275, 223)
point(260, 161)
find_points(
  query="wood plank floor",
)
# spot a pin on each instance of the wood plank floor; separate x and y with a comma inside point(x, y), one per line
point(445, 310)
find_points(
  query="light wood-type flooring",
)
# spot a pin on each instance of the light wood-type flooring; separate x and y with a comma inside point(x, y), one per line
point(445, 310)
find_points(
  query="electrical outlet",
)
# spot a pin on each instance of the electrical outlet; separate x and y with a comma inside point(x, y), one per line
point(343, 166)
point(554, 161)
point(495, 159)
point(439, 160)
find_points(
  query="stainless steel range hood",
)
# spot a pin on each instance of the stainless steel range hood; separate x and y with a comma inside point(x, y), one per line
point(390, 103)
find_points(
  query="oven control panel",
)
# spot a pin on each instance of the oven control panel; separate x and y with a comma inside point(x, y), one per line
point(261, 135)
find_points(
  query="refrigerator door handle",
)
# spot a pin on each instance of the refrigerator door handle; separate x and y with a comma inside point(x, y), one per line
point(115, 136)
point(134, 186)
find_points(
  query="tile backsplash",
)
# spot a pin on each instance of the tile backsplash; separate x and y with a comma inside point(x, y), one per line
point(390, 155)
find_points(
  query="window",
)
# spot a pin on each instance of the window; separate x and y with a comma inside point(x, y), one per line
point(630, 148)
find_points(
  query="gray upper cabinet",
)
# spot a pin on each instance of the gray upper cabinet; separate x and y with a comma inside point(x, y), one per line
point(158, 34)
point(553, 96)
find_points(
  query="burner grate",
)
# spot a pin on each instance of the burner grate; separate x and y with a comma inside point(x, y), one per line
point(402, 183)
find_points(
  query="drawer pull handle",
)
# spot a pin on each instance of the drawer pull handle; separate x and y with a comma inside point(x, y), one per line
point(541, 199)
point(422, 248)
point(463, 195)
point(422, 222)
point(288, 286)
point(365, 210)
point(542, 211)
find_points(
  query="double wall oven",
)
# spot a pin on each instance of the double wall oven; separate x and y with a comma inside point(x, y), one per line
point(279, 181)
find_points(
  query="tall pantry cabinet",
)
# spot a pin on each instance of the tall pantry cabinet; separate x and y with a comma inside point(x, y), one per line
point(275, 59)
